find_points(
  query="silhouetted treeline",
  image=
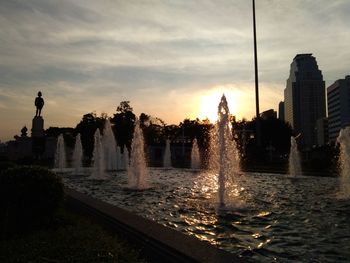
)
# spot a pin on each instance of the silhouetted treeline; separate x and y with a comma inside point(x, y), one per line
point(275, 138)
point(124, 122)
point(87, 127)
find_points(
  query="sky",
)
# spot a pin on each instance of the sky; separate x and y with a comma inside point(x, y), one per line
point(171, 59)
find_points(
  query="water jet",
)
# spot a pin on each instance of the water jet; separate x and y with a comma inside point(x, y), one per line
point(138, 177)
point(60, 156)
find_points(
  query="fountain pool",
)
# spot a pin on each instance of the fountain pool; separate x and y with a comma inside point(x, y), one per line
point(267, 217)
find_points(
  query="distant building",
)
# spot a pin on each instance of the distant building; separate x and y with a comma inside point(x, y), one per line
point(304, 98)
point(322, 131)
point(281, 110)
point(20, 148)
point(338, 95)
point(3, 150)
point(269, 114)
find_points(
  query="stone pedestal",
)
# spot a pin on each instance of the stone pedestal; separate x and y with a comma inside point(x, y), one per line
point(38, 127)
point(38, 136)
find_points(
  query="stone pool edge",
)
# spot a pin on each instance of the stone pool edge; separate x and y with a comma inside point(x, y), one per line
point(160, 243)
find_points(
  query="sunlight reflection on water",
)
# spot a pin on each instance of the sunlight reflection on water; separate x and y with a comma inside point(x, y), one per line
point(267, 217)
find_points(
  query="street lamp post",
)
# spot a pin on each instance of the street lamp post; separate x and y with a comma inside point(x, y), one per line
point(258, 125)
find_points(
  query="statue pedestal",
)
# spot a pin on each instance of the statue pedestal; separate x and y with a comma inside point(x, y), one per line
point(38, 136)
point(38, 127)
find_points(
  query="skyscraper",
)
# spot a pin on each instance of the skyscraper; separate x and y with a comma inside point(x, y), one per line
point(304, 98)
point(338, 95)
point(281, 110)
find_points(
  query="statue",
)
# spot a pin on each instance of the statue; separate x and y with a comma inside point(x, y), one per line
point(39, 103)
point(24, 131)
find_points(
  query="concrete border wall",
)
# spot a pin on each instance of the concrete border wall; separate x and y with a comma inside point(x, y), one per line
point(159, 243)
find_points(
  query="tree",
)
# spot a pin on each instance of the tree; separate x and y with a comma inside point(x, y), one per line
point(275, 136)
point(87, 127)
point(124, 122)
point(197, 129)
point(152, 129)
point(200, 130)
point(68, 134)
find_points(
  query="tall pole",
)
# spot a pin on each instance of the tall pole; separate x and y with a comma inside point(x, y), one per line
point(183, 142)
point(258, 126)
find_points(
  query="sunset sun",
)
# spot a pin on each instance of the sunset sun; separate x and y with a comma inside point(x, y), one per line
point(208, 105)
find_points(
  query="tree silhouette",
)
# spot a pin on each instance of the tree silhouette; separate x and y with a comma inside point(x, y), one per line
point(152, 129)
point(87, 127)
point(275, 137)
point(200, 130)
point(68, 134)
point(124, 121)
point(197, 129)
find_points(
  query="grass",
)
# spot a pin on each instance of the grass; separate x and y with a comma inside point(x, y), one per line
point(69, 238)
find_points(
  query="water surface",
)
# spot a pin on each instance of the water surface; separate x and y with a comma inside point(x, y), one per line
point(267, 217)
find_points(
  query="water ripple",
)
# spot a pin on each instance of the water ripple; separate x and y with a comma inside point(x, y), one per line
point(268, 218)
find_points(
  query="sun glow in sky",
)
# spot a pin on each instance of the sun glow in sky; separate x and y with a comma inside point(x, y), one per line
point(170, 59)
point(209, 102)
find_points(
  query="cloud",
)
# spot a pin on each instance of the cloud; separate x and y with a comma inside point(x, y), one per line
point(89, 55)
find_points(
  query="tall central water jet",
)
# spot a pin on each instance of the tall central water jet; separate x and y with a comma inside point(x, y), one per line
point(195, 158)
point(224, 156)
point(109, 147)
point(167, 155)
point(77, 155)
point(60, 156)
point(294, 158)
point(138, 176)
point(344, 162)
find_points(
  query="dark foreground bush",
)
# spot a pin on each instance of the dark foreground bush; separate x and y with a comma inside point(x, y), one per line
point(4, 165)
point(29, 196)
point(71, 238)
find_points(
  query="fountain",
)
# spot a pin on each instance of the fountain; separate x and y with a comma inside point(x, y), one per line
point(274, 209)
point(119, 158)
point(124, 159)
point(137, 171)
point(60, 156)
point(224, 156)
point(77, 155)
point(167, 155)
point(98, 171)
point(195, 158)
point(294, 159)
point(109, 147)
point(344, 162)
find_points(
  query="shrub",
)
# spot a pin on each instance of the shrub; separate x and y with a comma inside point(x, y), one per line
point(29, 196)
point(6, 164)
point(74, 239)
